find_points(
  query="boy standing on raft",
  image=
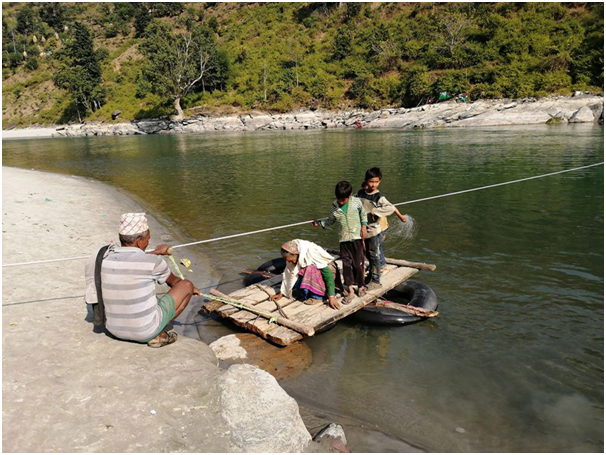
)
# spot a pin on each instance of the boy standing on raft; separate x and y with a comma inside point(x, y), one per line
point(350, 215)
point(377, 207)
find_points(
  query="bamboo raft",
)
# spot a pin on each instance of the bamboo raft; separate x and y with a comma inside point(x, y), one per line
point(270, 319)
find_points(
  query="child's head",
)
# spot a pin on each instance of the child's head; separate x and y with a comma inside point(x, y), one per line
point(373, 179)
point(343, 192)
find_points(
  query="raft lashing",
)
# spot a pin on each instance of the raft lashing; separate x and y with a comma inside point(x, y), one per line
point(309, 319)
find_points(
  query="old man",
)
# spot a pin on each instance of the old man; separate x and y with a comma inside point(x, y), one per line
point(128, 275)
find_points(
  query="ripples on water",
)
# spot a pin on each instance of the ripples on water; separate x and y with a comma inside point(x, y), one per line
point(516, 356)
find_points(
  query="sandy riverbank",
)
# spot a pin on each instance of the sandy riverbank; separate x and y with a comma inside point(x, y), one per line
point(583, 108)
point(68, 389)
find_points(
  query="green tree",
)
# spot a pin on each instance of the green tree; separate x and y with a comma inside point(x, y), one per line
point(54, 14)
point(142, 19)
point(178, 62)
point(80, 72)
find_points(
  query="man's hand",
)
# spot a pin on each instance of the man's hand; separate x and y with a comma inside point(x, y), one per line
point(275, 297)
point(403, 218)
point(196, 291)
point(315, 223)
point(162, 250)
point(332, 302)
point(364, 233)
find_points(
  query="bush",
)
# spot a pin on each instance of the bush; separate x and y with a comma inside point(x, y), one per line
point(554, 82)
point(15, 59)
point(414, 84)
point(362, 91)
point(32, 63)
point(452, 82)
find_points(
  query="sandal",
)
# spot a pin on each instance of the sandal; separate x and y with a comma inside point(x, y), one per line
point(362, 291)
point(169, 338)
point(348, 299)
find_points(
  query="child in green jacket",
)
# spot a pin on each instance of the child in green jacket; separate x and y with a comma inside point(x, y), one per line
point(348, 212)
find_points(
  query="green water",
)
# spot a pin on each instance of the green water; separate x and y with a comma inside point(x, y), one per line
point(516, 357)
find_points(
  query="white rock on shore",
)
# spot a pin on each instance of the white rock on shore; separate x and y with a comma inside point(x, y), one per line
point(228, 348)
point(576, 109)
point(260, 414)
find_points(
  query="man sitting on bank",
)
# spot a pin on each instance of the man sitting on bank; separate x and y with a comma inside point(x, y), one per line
point(128, 278)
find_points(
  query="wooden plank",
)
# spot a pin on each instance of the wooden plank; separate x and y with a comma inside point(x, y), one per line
point(253, 297)
point(268, 306)
point(390, 281)
point(277, 334)
point(279, 319)
point(261, 326)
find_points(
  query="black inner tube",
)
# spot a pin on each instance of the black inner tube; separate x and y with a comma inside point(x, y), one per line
point(415, 293)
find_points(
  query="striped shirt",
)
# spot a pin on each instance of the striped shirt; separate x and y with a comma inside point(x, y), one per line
point(350, 223)
point(128, 278)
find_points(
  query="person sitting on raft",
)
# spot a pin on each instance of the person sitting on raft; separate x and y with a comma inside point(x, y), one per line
point(309, 274)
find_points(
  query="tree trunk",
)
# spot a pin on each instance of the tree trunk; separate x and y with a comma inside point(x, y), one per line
point(177, 105)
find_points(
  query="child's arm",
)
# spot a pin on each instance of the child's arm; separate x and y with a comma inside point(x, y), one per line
point(363, 221)
point(383, 208)
point(325, 222)
point(399, 215)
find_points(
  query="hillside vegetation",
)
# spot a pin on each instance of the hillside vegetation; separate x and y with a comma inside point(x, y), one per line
point(65, 62)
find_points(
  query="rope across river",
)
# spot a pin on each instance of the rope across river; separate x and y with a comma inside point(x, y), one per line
point(286, 226)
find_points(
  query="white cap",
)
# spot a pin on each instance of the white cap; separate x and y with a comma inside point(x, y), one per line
point(133, 223)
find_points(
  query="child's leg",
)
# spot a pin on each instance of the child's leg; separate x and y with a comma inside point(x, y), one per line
point(358, 263)
point(347, 258)
point(381, 240)
point(374, 257)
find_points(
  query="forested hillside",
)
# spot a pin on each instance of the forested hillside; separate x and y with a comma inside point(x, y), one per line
point(65, 62)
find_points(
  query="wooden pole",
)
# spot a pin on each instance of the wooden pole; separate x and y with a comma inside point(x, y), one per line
point(270, 292)
point(400, 262)
point(414, 265)
point(301, 328)
point(416, 311)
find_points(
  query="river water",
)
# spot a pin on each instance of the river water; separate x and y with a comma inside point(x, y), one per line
point(514, 362)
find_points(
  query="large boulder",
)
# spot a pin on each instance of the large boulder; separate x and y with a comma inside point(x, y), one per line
point(261, 416)
point(257, 122)
point(583, 115)
point(306, 117)
point(598, 110)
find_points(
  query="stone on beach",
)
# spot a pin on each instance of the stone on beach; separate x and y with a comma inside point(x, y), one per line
point(259, 413)
point(583, 115)
point(228, 348)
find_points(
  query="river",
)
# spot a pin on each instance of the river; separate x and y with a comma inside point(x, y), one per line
point(514, 362)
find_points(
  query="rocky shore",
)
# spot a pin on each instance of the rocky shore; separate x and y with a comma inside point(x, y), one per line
point(482, 113)
point(68, 389)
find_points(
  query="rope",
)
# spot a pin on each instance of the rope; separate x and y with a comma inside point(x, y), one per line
point(499, 184)
point(285, 226)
